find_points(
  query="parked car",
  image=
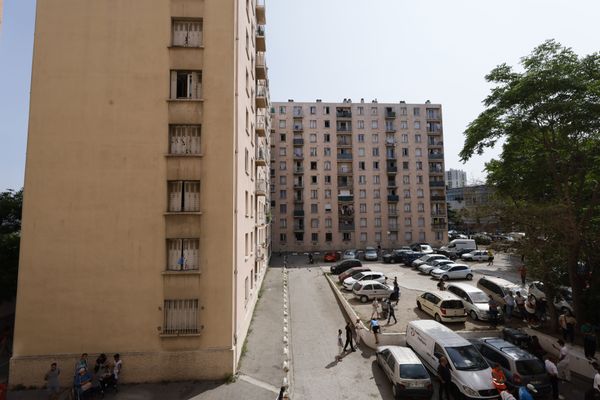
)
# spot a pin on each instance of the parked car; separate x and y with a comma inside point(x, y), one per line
point(498, 287)
point(422, 248)
point(344, 265)
point(364, 276)
point(395, 256)
point(562, 302)
point(371, 254)
point(457, 247)
point(470, 374)
point(352, 271)
point(426, 259)
point(350, 255)
point(405, 371)
point(519, 366)
point(477, 255)
point(408, 258)
point(369, 290)
point(443, 306)
point(475, 300)
point(453, 271)
point(427, 268)
point(331, 256)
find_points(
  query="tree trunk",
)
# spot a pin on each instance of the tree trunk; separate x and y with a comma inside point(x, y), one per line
point(572, 265)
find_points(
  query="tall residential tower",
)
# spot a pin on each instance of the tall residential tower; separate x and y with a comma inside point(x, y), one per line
point(351, 175)
point(146, 202)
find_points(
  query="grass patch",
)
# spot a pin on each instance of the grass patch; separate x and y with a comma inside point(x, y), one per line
point(230, 378)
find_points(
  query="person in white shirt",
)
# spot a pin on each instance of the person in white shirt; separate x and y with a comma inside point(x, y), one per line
point(553, 375)
point(563, 362)
point(596, 385)
point(375, 305)
point(510, 305)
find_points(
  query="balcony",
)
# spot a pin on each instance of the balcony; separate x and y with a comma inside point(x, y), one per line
point(261, 65)
point(298, 200)
point(393, 213)
point(260, 253)
point(260, 38)
point(298, 156)
point(348, 227)
point(438, 198)
point(298, 112)
point(345, 198)
point(391, 169)
point(298, 185)
point(439, 225)
point(390, 114)
point(298, 228)
point(393, 198)
point(260, 12)
point(262, 94)
point(262, 157)
point(298, 170)
point(393, 228)
point(261, 187)
point(390, 142)
point(436, 171)
point(343, 114)
point(344, 142)
point(435, 143)
point(298, 213)
point(298, 128)
point(437, 183)
point(261, 124)
point(433, 114)
point(344, 128)
point(390, 128)
point(391, 184)
point(344, 156)
point(298, 142)
point(344, 171)
point(436, 156)
point(390, 156)
point(439, 213)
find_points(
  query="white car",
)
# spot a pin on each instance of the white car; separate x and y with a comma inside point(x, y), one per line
point(423, 248)
point(371, 254)
point(427, 259)
point(453, 271)
point(405, 371)
point(364, 276)
point(369, 290)
point(498, 288)
point(427, 268)
point(443, 306)
point(475, 300)
point(477, 255)
point(563, 301)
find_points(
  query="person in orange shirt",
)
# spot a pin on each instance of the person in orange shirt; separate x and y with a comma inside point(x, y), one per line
point(498, 377)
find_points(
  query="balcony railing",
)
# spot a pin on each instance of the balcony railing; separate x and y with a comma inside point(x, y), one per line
point(261, 65)
point(344, 156)
point(298, 185)
point(298, 228)
point(346, 227)
point(298, 156)
point(298, 142)
point(390, 114)
point(345, 198)
point(436, 156)
point(393, 212)
point(261, 124)
point(262, 157)
point(298, 170)
point(260, 12)
point(261, 187)
point(393, 197)
point(344, 142)
point(298, 213)
point(393, 228)
point(344, 128)
point(391, 169)
point(437, 183)
point(438, 198)
point(344, 171)
point(343, 114)
point(298, 128)
point(390, 142)
point(262, 94)
point(390, 129)
point(260, 253)
point(390, 156)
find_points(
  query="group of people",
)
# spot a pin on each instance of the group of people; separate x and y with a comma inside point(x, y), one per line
point(86, 382)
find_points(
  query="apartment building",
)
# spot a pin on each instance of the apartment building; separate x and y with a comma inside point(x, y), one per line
point(145, 226)
point(351, 175)
point(456, 178)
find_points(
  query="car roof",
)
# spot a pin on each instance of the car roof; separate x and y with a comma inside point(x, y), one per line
point(458, 264)
point(445, 295)
point(508, 348)
point(466, 287)
point(439, 332)
point(402, 354)
point(369, 281)
point(503, 282)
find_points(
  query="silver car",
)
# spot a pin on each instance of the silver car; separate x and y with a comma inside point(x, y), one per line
point(371, 254)
point(475, 300)
point(350, 254)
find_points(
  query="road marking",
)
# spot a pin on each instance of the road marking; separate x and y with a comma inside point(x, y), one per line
point(261, 384)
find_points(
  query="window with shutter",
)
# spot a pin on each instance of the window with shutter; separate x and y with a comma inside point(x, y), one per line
point(191, 201)
point(186, 84)
point(180, 317)
point(174, 261)
point(175, 200)
point(190, 254)
point(184, 139)
point(187, 33)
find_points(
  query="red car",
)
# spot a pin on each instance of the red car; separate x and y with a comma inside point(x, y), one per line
point(331, 256)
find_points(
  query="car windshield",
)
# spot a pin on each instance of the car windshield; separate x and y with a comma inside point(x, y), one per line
point(413, 371)
point(479, 297)
point(530, 367)
point(424, 258)
point(358, 276)
point(444, 267)
point(466, 358)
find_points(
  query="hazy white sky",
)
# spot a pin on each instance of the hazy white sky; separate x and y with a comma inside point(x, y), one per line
point(392, 50)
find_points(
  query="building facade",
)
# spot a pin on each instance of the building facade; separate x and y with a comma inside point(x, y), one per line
point(350, 175)
point(145, 226)
point(456, 178)
point(474, 207)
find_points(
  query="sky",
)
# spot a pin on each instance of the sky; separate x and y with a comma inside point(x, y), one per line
point(389, 50)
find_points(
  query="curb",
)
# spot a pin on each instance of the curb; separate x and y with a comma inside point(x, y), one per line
point(287, 358)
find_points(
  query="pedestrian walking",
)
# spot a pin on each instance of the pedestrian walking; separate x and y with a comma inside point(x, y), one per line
point(523, 271)
point(358, 326)
point(391, 313)
point(445, 377)
point(396, 294)
point(564, 371)
point(375, 307)
point(530, 308)
point(553, 375)
point(281, 393)
point(589, 339)
point(493, 312)
point(349, 337)
point(510, 305)
point(571, 323)
point(52, 383)
point(490, 257)
point(520, 302)
point(376, 329)
point(340, 344)
point(562, 323)
point(441, 285)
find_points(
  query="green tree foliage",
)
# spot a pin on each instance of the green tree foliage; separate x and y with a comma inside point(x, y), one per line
point(11, 204)
point(547, 115)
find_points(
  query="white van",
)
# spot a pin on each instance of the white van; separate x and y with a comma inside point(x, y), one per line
point(471, 375)
point(457, 247)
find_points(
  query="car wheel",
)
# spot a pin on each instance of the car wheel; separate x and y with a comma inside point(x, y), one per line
point(419, 305)
point(469, 277)
point(445, 277)
point(438, 318)
point(473, 315)
point(364, 299)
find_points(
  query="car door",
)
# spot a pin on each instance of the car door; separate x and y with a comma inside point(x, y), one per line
point(380, 290)
point(432, 302)
point(392, 364)
point(382, 358)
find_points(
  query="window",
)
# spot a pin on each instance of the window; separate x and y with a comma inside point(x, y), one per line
point(375, 138)
point(184, 196)
point(407, 221)
point(362, 194)
point(326, 138)
point(408, 237)
point(419, 165)
point(404, 152)
point(361, 151)
point(297, 111)
point(376, 165)
point(313, 124)
point(283, 223)
point(186, 84)
point(403, 125)
point(373, 110)
point(374, 124)
point(187, 33)
point(375, 151)
point(282, 137)
point(283, 209)
point(328, 237)
point(417, 124)
point(363, 222)
point(282, 124)
point(376, 194)
point(327, 193)
point(183, 254)
point(363, 237)
point(406, 207)
point(282, 110)
point(282, 166)
point(314, 237)
point(327, 165)
point(404, 138)
point(407, 193)
point(283, 237)
point(417, 138)
point(420, 179)
point(421, 222)
point(406, 179)
point(314, 208)
point(313, 165)
point(326, 123)
point(327, 151)
point(377, 208)
point(420, 193)
point(403, 111)
point(405, 165)
point(376, 179)
point(363, 208)
point(377, 222)
point(420, 207)
point(314, 194)
point(416, 111)
point(418, 152)
point(327, 207)
point(313, 138)
point(180, 317)
point(362, 179)
point(313, 179)
point(346, 236)
point(313, 151)
point(328, 223)
point(378, 236)
point(422, 236)
point(282, 151)
point(314, 223)
point(328, 179)
point(326, 110)
point(184, 139)
point(360, 124)
point(361, 165)
point(361, 138)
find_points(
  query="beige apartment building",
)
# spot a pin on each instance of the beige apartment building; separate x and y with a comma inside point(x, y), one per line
point(350, 175)
point(145, 227)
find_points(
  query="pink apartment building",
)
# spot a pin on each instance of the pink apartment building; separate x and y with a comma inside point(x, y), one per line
point(350, 175)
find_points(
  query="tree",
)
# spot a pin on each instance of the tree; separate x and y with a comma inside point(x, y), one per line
point(548, 116)
point(11, 205)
